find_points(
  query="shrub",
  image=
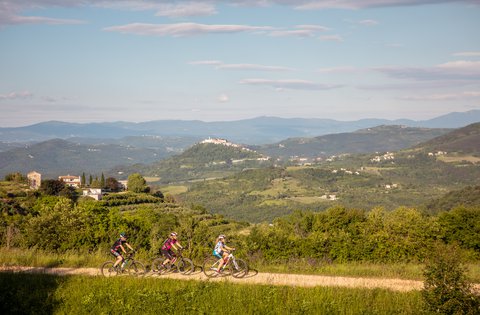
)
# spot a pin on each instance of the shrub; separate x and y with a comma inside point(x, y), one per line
point(446, 287)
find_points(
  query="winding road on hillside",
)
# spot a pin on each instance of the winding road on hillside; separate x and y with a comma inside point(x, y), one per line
point(254, 277)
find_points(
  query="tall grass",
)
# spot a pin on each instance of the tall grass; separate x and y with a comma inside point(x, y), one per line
point(22, 293)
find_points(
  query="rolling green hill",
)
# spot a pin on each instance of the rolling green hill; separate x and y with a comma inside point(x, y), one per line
point(462, 140)
point(59, 157)
point(377, 139)
point(409, 178)
point(201, 161)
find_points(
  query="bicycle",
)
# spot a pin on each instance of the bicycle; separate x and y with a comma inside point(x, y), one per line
point(238, 268)
point(180, 264)
point(129, 266)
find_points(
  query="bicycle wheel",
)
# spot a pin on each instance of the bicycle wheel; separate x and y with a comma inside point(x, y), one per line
point(108, 270)
point(210, 266)
point(239, 268)
point(185, 266)
point(136, 268)
point(157, 265)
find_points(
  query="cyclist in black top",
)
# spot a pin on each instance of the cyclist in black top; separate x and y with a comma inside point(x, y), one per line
point(118, 246)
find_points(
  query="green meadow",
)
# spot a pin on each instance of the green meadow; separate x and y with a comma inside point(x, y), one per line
point(49, 294)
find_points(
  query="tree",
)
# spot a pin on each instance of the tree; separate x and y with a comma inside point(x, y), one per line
point(102, 181)
point(136, 183)
point(112, 184)
point(84, 181)
point(52, 187)
point(15, 177)
point(446, 287)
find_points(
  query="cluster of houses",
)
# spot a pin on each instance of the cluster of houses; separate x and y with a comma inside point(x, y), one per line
point(35, 181)
point(386, 157)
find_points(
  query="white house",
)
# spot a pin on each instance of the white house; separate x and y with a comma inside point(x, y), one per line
point(95, 193)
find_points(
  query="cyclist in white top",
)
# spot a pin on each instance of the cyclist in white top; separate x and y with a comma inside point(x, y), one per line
point(221, 251)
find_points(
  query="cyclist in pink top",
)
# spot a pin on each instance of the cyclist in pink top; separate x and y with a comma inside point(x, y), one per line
point(167, 251)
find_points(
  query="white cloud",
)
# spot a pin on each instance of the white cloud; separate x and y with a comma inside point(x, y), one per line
point(296, 33)
point(290, 84)
point(182, 29)
point(223, 98)
point(240, 66)
point(335, 38)
point(16, 95)
point(467, 54)
point(455, 70)
point(186, 9)
point(443, 97)
point(368, 22)
point(313, 27)
point(363, 4)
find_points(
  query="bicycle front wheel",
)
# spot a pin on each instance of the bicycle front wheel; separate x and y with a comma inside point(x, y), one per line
point(239, 268)
point(107, 269)
point(136, 269)
point(210, 266)
point(185, 266)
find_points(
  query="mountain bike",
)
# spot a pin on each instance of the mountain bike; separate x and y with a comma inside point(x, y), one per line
point(180, 264)
point(238, 268)
point(129, 266)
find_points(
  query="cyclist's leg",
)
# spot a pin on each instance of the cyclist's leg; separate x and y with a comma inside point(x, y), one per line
point(168, 257)
point(118, 257)
point(222, 261)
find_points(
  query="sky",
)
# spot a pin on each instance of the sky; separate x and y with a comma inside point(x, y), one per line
point(212, 60)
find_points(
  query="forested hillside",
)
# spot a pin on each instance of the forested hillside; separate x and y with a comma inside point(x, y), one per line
point(377, 139)
point(60, 157)
point(201, 161)
point(462, 140)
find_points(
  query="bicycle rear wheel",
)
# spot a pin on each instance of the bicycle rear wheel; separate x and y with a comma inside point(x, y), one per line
point(185, 266)
point(136, 269)
point(157, 265)
point(239, 268)
point(210, 266)
point(107, 269)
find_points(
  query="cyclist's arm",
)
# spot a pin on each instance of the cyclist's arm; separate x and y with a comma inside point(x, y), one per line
point(228, 248)
point(131, 248)
point(123, 249)
point(179, 246)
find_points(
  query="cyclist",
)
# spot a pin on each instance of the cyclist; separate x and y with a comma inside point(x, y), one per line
point(221, 251)
point(117, 247)
point(170, 242)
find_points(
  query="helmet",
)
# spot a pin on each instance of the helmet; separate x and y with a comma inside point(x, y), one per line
point(221, 236)
point(173, 234)
point(122, 234)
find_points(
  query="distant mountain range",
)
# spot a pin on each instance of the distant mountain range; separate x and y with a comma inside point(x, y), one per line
point(261, 130)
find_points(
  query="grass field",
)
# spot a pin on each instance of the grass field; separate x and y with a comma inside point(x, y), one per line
point(49, 294)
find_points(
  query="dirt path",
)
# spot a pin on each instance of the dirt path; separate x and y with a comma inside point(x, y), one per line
point(256, 278)
point(253, 278)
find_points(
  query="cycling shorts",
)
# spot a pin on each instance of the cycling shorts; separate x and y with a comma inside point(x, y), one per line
point(115, 253)
point(218, 255)
point(168, 253)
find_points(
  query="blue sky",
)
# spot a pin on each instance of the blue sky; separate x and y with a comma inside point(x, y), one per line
point(131, 60)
